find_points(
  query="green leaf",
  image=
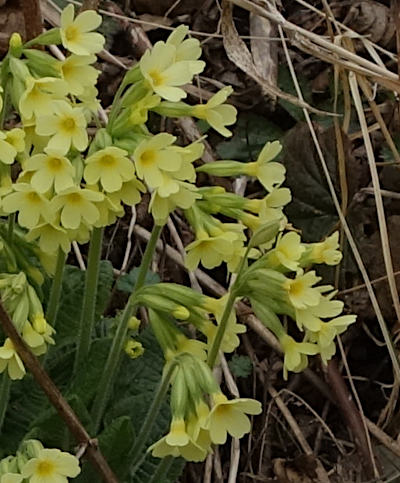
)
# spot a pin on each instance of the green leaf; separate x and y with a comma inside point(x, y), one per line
point(312, 209)
point(52, 431)
point(250, 134)
point(134, 391)
point(127, 282)
point(285, 83)
point(114, 442)
point(67, 324)
point(87, 379)
point(241, 366)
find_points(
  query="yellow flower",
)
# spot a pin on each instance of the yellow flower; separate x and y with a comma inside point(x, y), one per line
point(111, 166)
point(7, 151)
point(129, 192)
point(139, 111)
point(270, 207)
point(66, 126)
point(161, 207)
point(295, 359)
point(164, 75)
point(40, 94)
point(38, 341)
point(186, 49)
point(109, 211)
point(76, 35)
point(51, 169)
point(89, 102)
point(269, 174)
point(152, 156)
point(10, 359)
point(16, 138)
point(326, 333)
point(78, 73)
point(230, 417)
point(51, 466)
point(310, 317)
point(301, 292)
point(211, 251)
point(51, 238)
point(77, 204)
point(326, 251)
point(287, 251)
point(216, 113)
point(33, 207)
point(178, 443)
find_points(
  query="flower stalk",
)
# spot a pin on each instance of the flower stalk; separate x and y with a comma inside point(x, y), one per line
point(110, 369)
point(89, 298)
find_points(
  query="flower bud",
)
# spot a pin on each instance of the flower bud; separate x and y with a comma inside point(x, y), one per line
point(15, 44)
point(133, 323)
point(223, 168)
point(134, 349)
point(31, 448)
point(173, 109)
point(265, 233)
point(42, 64)
point(8, 465)
point(19, 69)
point(52, 36)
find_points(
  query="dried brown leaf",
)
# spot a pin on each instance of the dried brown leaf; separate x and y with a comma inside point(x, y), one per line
point(239, 54)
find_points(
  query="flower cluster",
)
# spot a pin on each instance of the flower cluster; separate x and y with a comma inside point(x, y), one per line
point(24, 307)
point(201, 414)
point(65, 171)
point(33, 464)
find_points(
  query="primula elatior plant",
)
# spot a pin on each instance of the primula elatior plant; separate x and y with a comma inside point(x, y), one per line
point(61, 182)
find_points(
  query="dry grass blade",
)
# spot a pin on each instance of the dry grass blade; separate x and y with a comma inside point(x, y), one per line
point(320, 470)
point(377, 192)
point(304, 39)
point(239, 54)
point(264, 53)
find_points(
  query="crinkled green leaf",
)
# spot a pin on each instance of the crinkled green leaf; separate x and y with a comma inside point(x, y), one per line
point(312, 209)
point(114, 442)
point(241, 366)
point(127, 282)
point(249, 136)
point(68, 317)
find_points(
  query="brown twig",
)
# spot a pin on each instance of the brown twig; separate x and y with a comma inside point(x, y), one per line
point(351, 415)
point(89, 5)
point(57, 400)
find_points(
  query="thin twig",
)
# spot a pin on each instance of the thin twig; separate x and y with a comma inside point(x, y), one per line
point(57, 400)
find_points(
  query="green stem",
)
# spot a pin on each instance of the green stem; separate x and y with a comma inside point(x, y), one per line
point(115, 106)
point(110, 368)
point(135, 454)
point(55, 292)
point(89, 299)
point(162, 469)
point(10, 229)
point(4, 397)
point(213, 353)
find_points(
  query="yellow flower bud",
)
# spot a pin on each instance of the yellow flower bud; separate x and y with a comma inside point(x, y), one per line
point(134, 349)
point(133, 323)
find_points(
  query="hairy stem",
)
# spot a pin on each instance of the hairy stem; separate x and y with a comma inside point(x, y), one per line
point(4, 396)
point(111, 366)
point(55, 292)
point(89, 298)
point(135, 454)
point(213, 354)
